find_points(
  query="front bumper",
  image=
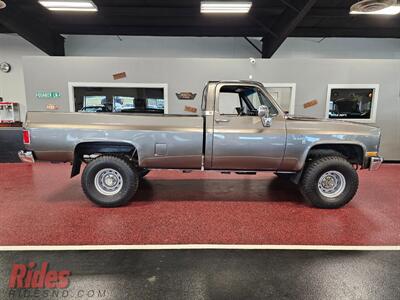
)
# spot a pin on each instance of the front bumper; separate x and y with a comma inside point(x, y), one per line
point(375, 163)
point(26, 156)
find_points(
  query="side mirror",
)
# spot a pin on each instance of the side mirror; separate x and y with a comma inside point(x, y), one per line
point(263, 113)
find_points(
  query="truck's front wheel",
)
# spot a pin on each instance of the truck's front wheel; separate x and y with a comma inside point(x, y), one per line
point(110, 181)
point(329, 182)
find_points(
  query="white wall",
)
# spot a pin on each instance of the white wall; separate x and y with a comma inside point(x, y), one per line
point(214, 47)
point(12, 87)
point(311, 76)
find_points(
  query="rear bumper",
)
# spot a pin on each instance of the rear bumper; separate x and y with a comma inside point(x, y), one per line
point(375, 163)
point(26, 156)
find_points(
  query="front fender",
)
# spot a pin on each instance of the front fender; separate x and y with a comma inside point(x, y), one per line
point(296, 153)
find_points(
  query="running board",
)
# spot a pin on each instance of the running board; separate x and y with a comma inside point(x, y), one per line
point(246, 173)
point(239, 173)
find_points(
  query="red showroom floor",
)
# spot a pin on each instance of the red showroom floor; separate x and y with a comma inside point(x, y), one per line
point(41, 205)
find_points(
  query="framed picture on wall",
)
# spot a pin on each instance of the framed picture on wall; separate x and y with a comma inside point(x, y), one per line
point(352, 102)
point(284, 94)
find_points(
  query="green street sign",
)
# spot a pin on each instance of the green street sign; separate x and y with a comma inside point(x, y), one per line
point(48, 95)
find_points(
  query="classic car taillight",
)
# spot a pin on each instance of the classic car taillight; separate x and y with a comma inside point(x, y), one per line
point(26, 137)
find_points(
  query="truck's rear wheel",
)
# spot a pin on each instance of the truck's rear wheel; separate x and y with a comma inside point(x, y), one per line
point(110, 181)
point(329, 182)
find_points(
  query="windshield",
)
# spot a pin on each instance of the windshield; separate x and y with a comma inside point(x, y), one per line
point(258, 98)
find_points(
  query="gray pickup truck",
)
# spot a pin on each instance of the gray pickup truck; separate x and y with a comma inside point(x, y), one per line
point(240, 129)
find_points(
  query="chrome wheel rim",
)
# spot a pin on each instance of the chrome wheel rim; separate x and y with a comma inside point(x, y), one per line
point(108, 182)
point(331, 184)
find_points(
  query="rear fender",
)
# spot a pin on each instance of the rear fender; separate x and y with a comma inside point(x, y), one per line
point(87, 148)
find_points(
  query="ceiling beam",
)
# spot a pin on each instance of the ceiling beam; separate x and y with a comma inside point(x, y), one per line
point(284, 26)
point(347, 32)
point(290, 5)
point(252, 44)
point(32, 30)
point(195, 31)
point(223, 31)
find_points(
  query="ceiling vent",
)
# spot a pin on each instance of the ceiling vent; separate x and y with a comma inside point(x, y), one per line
point(371, 6)
point(2, 4)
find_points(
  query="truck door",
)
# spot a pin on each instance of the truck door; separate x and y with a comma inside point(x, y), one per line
point(240, 141)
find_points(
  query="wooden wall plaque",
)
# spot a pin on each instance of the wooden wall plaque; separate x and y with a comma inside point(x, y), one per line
point(119, 75)
point(310, 103)
point(190, 109)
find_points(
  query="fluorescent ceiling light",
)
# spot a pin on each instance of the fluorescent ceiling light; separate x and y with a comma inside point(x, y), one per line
point(71, 9)
point(86, 5)
point(391, 10)
point(64, 4)
point(225, 7)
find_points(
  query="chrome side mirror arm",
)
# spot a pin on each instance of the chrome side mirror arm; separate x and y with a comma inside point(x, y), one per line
point(267, 121)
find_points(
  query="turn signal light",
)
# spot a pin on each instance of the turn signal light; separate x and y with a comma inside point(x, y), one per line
point(371, 154)
point(26, 137)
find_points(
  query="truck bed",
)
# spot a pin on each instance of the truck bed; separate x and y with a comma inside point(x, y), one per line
point(161, 141)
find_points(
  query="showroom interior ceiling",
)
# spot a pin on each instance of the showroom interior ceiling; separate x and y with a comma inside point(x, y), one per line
point(272, 20)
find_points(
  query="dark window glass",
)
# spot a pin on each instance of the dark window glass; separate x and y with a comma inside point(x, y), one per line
point(119, 100)
point(350, 103)
point(123, 103)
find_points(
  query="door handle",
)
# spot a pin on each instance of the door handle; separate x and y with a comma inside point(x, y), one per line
point(221, 120)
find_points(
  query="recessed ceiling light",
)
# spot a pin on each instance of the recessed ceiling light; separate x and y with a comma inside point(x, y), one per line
point(375, 7)
point(232, 7)
point(77, 5)
point(391, 10)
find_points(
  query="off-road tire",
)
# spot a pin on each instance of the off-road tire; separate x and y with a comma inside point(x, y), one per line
point(313, 172)
point(130, 178)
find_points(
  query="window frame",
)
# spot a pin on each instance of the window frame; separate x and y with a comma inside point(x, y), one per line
point(292, 104)
point(259, 87)
point(374, 105)
point(72, 85)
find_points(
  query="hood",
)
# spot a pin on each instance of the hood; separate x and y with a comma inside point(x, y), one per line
point(320, 131)
point(330, 121)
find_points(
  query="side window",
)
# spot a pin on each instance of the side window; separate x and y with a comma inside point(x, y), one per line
point(254, 98)
point(228, 102)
